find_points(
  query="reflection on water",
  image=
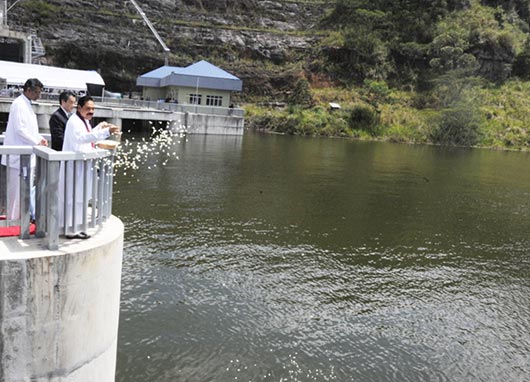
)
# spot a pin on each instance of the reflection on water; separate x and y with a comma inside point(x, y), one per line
point(271, 258)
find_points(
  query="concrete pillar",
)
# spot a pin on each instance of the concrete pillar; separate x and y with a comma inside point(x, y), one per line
point(116, 118)
point(115, 121)
point(43, 120)
point(27, 50)
point(3, 13)
point(186, 120)
point(59, 310)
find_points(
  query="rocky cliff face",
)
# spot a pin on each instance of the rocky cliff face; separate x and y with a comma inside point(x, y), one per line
point(262, 42)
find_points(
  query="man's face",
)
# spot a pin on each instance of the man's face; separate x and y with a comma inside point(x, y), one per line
point(33, 94)
point(68, 105)
point(87, 110)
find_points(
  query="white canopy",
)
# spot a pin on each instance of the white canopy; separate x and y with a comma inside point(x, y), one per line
point(17, 73)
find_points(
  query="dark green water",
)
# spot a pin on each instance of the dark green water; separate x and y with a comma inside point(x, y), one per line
point(272, 258)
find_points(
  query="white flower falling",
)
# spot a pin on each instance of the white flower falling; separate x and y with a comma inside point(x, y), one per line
point(161, 144)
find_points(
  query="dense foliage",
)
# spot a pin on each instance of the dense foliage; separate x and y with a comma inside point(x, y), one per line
point(410, 42)
point(426, 71)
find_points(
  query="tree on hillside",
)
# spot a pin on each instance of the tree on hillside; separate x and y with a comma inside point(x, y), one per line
point(405, 41)
point(475, 41)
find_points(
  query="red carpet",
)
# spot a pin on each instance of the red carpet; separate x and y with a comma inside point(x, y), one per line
point(15, 230)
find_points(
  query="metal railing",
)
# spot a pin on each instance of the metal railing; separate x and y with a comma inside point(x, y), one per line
point(24, 154)
point(59, 177)
point(169, 106)
point(133, 103)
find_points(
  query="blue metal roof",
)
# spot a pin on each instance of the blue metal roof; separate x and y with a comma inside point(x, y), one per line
point(161, 72)
point(205, 69)
point(208, 75)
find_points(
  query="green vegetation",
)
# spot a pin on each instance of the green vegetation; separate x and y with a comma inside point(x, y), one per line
point(497, 117)
point(450, 72)
point(40, 12)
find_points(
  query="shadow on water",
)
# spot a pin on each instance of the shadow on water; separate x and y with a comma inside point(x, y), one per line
point(271, 258)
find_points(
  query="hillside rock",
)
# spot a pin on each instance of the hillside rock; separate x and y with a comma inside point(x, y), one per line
point(257, 41)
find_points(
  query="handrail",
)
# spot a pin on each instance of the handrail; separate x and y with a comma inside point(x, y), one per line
point(16, 150)
point(59, 177)
point(133, 104)
point(24, 153)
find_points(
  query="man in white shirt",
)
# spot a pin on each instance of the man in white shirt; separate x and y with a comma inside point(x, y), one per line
point(79, 136)
point(22, 130)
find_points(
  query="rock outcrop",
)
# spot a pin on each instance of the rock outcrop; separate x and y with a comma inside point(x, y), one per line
point(262, 42)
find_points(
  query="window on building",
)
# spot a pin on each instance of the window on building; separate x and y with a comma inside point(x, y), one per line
point(212, 100)
point(174, 94)
point(195, 99)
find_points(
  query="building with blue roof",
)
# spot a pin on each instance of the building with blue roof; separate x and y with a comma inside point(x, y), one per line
point(198, 84)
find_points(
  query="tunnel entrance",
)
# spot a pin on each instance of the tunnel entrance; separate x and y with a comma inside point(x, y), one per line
point(11, 49)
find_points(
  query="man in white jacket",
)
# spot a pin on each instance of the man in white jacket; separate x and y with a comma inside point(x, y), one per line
point(80, 136)
point(22, 130)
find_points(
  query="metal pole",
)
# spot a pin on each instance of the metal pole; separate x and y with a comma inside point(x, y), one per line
point(153, 30)
point(12, 5)
point(3, 13)
point(196, 94)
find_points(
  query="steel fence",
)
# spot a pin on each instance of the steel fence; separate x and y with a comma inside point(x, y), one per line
point(58, 178)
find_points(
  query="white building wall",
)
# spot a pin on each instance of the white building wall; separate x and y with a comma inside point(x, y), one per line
point(181, 94)
point(153, 94)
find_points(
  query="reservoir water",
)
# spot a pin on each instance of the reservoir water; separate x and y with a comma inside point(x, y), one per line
point(276, 258)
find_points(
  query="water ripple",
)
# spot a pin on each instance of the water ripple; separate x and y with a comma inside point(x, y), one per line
point(405, 268)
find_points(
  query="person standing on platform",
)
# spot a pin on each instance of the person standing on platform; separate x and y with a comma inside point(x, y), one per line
point(80, 136)
point(60, 117)
point(22, 130)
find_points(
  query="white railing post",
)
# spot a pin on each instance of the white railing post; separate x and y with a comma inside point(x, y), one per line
point(3, 191)
point(40, 197)
point(52, 201)
point(25, 195)
point(94, 185)
point(22, 181)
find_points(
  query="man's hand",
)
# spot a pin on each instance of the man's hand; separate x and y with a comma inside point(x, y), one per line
point(43, 142)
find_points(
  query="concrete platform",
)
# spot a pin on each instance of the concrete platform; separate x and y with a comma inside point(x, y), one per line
point(190, 122)
point(59, 310)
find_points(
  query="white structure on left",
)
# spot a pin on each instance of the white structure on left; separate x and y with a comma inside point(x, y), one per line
point(15, 45)
point(60, 297)
point(59, 310)
point(53, 78)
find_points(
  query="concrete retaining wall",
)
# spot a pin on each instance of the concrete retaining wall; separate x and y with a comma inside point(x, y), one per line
point(214, 124)
point(198, 122)
point(59, 310)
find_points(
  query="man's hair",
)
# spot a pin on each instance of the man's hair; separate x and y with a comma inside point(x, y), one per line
point(32, 84)
point(64, 96)
point(81, 101)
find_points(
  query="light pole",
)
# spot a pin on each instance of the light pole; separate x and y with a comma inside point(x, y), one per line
point(153, 30)
point(3, 13)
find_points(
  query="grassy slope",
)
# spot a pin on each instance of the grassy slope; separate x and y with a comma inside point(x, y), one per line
point(502, 115)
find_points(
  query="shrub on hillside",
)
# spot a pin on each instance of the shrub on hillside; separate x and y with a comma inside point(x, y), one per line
point(364, 117)
point(301, 94)
point(458, 126)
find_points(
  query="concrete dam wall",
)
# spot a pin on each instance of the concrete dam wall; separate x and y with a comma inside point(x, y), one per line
point(59, 310)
